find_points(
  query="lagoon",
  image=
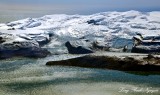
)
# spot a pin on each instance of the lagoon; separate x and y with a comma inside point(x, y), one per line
point(27, 76)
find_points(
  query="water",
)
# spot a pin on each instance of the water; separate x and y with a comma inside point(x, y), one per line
point(26, 76)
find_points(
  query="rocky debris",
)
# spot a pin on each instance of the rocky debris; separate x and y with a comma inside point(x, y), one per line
point(92, 21)
point(11, 28)
point(1, 40)
point(124, 49)
point(77, 50)
point(146, 44)
point(146, 49)
point(151, 59)
point(42, 39)
point(14, 42)
point(91, 45)
point(99, 46)
point(13, 45)
point(25, 52)
point(111, 62)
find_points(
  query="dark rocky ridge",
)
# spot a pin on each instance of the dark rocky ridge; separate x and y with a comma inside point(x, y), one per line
point(150, 44)
point(77, 50)
point(24, 46)
point(116, 63)
point(25, 52)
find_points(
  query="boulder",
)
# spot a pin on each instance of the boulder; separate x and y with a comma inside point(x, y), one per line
point(72, 49)
point(146, 45)
point(13, 45)
point(24, 52)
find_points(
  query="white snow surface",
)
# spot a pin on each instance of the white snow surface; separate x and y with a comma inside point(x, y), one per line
point(14, 42)
point(108, 25)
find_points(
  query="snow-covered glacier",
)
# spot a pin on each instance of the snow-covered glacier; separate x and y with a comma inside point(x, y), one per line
point(114, 29)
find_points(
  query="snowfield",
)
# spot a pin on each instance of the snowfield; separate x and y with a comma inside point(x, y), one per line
point(115, 29)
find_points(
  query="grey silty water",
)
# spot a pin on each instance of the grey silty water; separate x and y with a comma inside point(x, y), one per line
point(27, 76)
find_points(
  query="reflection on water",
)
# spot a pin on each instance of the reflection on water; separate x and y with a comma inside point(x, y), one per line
point(24, 76)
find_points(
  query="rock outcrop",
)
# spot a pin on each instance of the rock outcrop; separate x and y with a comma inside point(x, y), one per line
point(108, 62)
point(24, 52)
point(13, 45)
point(77, 50)
point(146, 45)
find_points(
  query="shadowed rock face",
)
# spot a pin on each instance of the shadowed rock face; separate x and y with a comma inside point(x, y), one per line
point(25, 52)
point(1, 40)
point(145, 50)
point(125, 64)
point(25, 47)
point(77, 50)
point(146, 45)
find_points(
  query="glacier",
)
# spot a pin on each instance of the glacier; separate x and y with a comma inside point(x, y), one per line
point(112, 29)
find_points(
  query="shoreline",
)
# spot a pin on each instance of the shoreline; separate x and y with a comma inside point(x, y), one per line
point(126, 62)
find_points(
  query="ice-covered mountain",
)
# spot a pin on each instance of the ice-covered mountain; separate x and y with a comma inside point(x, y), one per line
point(110, 28)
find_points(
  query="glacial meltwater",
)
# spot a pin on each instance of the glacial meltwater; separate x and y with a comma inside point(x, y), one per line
point(27, 76)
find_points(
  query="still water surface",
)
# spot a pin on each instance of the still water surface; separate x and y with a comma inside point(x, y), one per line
point(26, 76)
